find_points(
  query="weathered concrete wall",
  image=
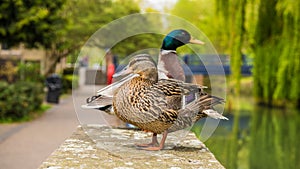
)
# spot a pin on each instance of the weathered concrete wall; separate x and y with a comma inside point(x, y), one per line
point(104, 147)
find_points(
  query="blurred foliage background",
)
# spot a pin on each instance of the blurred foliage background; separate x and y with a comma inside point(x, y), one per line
point(267, 31)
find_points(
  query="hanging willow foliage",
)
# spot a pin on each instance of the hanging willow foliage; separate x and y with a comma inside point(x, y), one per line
point(288, 73)
point(266, 50)
point(266, 30)
point(276, 64)
point(232, 14)
point(237, 36)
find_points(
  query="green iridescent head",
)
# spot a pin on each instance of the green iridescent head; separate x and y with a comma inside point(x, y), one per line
point(177, 38)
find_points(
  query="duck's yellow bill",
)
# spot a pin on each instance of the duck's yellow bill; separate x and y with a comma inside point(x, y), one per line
point(196, 41)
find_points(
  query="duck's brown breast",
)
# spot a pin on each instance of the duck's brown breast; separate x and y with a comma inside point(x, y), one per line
point(135, 103)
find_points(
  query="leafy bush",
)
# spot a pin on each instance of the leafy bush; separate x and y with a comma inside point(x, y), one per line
point(30, 71)
point(70, 79)
point(18, 100)
point(69, 82)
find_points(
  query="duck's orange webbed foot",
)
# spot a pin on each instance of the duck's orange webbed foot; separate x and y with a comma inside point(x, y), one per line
point(153, 148)
point(146, 145)
point(152, 144)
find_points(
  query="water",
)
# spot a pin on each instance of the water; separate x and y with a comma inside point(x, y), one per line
point(257, 138)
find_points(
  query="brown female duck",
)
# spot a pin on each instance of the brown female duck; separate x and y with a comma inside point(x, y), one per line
point(155, 105)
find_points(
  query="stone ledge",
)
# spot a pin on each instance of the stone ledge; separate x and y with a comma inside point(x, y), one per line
point(95, 146)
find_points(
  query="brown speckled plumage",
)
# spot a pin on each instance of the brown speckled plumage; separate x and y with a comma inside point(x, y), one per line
point(156, 105)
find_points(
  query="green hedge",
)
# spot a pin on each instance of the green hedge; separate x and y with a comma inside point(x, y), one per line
point(20, 99)
point(69, 82)
point(70, 79)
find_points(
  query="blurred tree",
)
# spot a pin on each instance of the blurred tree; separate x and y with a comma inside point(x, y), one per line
point(137, 42)
point(33, 23)
point(267, 30)
point(237, 31)
point(85, 18)
point(148, 23)
point(223, 22)
point(128, 35)
point(201, 13)
point(60, 27)
point(276, 48)
point(36, 24)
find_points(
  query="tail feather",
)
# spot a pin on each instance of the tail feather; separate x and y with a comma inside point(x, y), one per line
point(196, 110)
point(99, 102)
point(104, 98)
point(210, 101)
point(214, 114)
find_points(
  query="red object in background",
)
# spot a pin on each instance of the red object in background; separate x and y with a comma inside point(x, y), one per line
point(109, 73)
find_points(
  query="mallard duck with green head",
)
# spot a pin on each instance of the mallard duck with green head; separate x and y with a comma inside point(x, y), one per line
point(169, 65)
